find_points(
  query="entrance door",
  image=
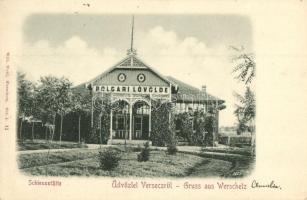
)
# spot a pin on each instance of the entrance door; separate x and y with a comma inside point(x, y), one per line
point(140, 123)
point(138, 127)
point(121, 126)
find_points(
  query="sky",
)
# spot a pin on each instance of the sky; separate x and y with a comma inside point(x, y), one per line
point(192, 48)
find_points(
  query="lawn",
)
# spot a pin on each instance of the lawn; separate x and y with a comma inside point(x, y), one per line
point(84, 162)
point(42, 144)
point(231, 150)
point(40, 159)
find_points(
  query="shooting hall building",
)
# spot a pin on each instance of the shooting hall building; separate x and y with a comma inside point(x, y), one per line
point(132, 87)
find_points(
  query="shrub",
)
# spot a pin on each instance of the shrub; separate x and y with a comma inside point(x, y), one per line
point(209, 127)
point(172, 149)
point(171, 142)
point(143, 156)
point(162, 118)
point(185, 124)
point(109, 159)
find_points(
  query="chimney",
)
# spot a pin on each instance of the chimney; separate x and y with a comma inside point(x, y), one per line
point(204, 89)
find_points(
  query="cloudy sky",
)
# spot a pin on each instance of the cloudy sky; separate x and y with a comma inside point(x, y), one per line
point(191, 48)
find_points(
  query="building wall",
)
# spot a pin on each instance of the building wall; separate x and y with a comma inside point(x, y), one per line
point(184, 107)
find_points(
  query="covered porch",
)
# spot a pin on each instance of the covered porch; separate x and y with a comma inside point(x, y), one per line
point(130, 120)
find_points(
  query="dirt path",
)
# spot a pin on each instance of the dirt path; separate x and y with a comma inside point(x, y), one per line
point(90, 147)
point(223, 167)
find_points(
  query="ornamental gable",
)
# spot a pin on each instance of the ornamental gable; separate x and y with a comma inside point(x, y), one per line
point(130, 77)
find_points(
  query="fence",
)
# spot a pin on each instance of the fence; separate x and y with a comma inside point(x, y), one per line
point(235, 140)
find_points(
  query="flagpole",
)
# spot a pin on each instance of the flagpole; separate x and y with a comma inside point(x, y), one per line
point(132, 30)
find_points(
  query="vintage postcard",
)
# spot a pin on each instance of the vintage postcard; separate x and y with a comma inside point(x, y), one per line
point(157, 100)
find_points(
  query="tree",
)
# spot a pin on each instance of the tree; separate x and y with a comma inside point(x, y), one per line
point(246, 111)
point(81, 105)
point(26, 99)
point(245, 66)
point(54, 97)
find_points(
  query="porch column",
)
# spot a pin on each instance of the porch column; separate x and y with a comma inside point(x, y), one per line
point(111, 125)
point(130, 121)
point(92, 111)
point(149, 118)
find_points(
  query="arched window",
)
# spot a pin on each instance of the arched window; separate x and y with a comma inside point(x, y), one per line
point(141, 108)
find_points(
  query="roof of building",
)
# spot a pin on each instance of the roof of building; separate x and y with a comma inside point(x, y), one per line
point(191, 94)
point(130, 62)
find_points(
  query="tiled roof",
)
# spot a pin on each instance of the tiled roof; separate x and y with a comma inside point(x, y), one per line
point(189, 94)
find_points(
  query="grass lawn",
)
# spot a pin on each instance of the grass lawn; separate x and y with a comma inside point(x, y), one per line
point(85, 163)
point(40, 159)
point(42, 144)
point(241, 168)
point(232, 150)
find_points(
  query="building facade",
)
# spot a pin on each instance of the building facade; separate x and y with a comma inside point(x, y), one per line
point(132, 88)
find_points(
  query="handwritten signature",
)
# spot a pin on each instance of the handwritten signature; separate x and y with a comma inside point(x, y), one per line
point(256, 184)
